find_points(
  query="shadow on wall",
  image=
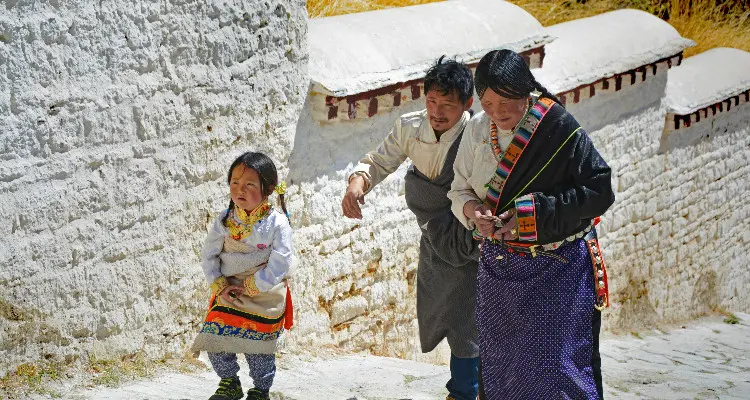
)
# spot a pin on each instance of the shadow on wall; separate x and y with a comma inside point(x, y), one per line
point(706, 292)
point(636, 307)
point(612, 106)
point(706, 129)
point(322, 149)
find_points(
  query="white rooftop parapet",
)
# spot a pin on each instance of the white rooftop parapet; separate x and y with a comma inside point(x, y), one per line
point(706, 87)
point(367, 63)
point(607, 55)
point(604, 46)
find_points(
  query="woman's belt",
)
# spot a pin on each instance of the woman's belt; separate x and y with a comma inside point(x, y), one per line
point(601, 284)
point(533, 248)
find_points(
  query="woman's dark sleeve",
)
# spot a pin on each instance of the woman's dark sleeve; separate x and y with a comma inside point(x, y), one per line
point(587, 193)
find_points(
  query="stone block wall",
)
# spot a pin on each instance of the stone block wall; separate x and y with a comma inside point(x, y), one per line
point(355, 286)
point(673, 247)
point(674, 240)
point(611, 99)
point(118, 123)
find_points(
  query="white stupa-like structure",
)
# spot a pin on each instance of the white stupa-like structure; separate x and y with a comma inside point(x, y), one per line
point(368, 63)
point(707, 90)
point(607, 58)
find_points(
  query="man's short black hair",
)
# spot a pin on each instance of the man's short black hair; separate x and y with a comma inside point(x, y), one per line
point(449, 75)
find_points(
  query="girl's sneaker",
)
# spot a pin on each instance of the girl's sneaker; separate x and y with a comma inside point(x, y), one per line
point(229, 389)
point(257, 394)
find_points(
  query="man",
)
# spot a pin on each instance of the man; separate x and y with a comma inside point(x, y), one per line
point(446, 278)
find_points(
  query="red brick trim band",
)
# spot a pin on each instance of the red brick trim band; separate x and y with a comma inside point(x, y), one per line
point(617, 81)
point(679, 121)
point(372, 102)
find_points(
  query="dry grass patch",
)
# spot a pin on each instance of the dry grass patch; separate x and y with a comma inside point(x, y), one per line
point(730, 318)
point(711, 26)
point(329, 8)
point(710, 23)
point(45, 379)
point(31, 378)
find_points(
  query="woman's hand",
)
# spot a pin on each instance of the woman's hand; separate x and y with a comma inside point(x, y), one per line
point(509, 230)
point(481, 216)
point(231, 292)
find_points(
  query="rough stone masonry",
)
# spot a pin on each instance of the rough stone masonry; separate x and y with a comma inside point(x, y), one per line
point(119, 121)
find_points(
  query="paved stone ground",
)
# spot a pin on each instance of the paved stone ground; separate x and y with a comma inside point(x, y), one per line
point(706, 359)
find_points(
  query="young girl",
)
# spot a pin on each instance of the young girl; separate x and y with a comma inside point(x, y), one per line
point(246, 258)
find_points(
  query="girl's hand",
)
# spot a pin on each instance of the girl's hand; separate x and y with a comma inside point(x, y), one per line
point(509, 230)
point(231, 293)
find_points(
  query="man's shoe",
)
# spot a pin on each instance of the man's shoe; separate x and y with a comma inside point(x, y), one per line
point(229, 389)
point(257, 394)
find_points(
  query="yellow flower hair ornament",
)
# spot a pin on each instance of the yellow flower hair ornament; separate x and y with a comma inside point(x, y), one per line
point(281, 188)
point(281, 191)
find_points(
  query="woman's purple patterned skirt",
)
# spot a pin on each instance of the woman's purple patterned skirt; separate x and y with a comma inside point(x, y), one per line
point(534, 320)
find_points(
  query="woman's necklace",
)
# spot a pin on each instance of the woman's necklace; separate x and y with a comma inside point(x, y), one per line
point(495, 142)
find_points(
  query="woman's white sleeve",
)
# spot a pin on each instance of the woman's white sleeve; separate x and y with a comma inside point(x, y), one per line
point(461, 190)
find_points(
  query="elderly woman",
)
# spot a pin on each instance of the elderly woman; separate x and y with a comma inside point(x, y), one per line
point(530, 183)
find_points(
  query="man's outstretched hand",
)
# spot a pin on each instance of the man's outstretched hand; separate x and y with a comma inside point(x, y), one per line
point(355, 195)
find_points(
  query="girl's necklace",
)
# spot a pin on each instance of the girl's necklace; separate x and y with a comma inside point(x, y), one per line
point(244, 227)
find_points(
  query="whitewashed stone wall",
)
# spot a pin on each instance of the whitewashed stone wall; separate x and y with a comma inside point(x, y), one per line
point(118, 122)
point(675, 239)
point(356, 282)
point(357, 277)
